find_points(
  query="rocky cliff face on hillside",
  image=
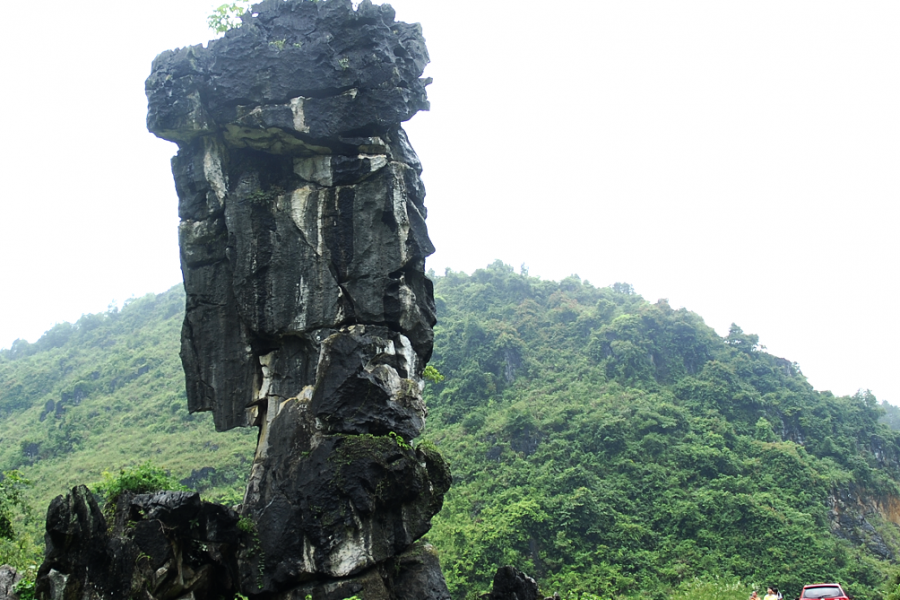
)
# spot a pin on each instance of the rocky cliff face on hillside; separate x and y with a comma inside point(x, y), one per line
point(309, 316)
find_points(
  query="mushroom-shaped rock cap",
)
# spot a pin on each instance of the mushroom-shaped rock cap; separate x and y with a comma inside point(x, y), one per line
point(318, 71)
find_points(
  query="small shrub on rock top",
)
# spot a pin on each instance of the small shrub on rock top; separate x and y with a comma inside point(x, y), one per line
point(400, 441)
point(142, 479)
point(227, 16)
point(245, 524)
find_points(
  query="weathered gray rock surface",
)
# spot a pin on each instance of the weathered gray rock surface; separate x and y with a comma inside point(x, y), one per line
point(9, 577)
point(413, 575)
point(303, 246)
point(300, 198)
point(335, 505)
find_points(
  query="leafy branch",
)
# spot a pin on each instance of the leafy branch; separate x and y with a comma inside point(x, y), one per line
point(432, 374)
point(227, 16)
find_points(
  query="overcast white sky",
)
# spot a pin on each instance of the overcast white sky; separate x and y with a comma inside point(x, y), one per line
point(741, 159)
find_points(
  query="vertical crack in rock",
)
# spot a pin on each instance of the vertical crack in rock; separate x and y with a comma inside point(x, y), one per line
point(308, 313)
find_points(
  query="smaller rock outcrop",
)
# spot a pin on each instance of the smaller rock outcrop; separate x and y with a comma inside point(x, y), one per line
point(852, 512)
point(9, 577)
point(161, 545)
point(512, 584)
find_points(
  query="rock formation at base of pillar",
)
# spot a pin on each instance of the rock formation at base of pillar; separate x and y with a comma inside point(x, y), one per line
point(152, 546)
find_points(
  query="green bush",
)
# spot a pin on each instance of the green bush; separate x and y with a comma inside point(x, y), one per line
point(12, 484)
point(227, 16)
point(25, 588)
point(142, 479)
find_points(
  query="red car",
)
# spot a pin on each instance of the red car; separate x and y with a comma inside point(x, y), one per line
point(824, 591)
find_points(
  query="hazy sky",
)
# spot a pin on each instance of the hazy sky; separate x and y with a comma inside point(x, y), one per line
point(741, 159)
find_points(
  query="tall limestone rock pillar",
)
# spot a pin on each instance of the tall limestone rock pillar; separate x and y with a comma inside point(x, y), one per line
point(303, 246)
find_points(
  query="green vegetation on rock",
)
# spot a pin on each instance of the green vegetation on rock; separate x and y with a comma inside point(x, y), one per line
point(227, 16)
point(142, 479)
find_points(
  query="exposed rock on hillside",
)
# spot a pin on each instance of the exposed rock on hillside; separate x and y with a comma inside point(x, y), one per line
point(850, 510)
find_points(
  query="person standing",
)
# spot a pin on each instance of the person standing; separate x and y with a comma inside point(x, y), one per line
point(770, 594)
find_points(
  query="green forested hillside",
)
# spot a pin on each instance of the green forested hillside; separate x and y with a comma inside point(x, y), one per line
point(607, 444)
point(599, 442)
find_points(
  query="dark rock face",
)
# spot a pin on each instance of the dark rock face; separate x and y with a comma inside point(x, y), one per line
point(300, 198)
point(163, 545)
point(77, 540)
point(303, 246)
point(366, 384)
point(512, 584)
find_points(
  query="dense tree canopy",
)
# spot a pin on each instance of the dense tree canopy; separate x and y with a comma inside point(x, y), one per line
point(610, 445)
